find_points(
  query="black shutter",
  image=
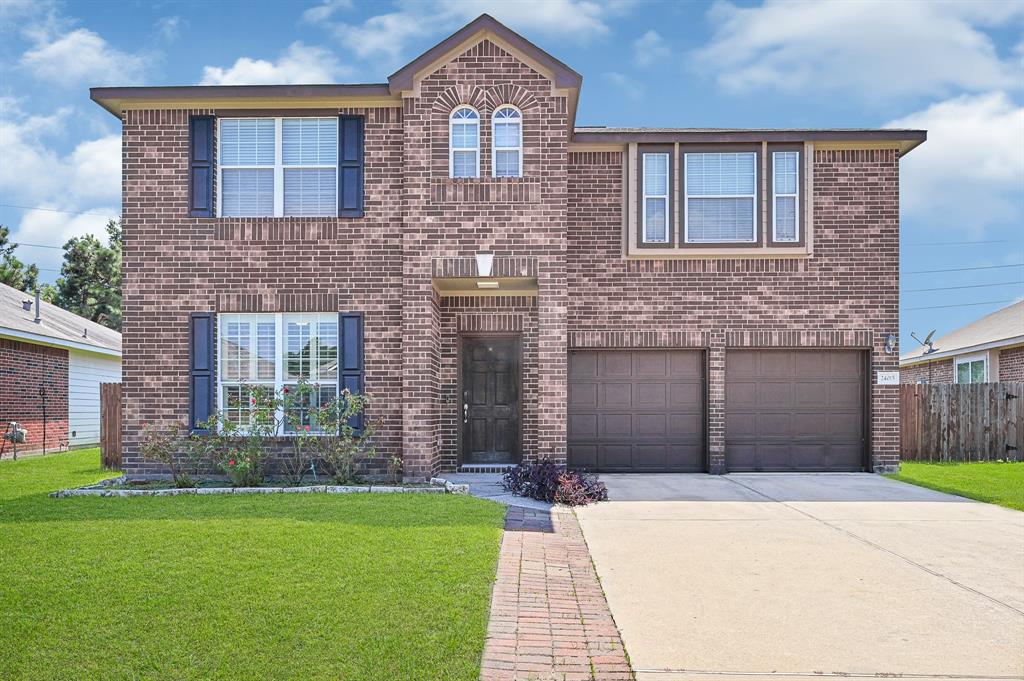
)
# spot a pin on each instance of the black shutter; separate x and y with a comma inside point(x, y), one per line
point(200, 166)
point(200, 370)
point(350, 366)
point(350, 166)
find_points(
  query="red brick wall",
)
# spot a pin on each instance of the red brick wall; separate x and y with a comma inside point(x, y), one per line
point(939, 371)
point(24, 368)
point(846, 296)
point(1011, 364)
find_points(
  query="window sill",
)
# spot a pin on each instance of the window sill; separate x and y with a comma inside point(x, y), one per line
point(693, 252)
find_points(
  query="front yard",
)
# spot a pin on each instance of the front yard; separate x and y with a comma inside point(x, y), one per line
point(227, 587)
point(996, 483)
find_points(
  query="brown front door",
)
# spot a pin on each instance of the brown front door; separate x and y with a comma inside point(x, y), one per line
point(490, 400)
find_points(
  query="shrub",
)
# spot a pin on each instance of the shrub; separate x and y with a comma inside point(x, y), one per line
point(165, 445)
point(340, 447)
point(545, 481)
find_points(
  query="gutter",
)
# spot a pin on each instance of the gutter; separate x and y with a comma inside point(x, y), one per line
point(39, 339)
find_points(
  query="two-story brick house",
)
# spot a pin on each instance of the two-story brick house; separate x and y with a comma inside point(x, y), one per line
point(658, 300)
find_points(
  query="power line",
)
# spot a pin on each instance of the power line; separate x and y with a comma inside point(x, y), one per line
point(55, 210)
point(967, 269)
point(961, 243)
point(951, 288)
point(59, 248)
point(936, 307)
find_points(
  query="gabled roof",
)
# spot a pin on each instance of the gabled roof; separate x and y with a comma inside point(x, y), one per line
point(1002, 327)
point(484, 26)
point(56, 326)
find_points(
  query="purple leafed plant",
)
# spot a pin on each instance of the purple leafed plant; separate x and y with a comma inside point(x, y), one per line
point(546, 481)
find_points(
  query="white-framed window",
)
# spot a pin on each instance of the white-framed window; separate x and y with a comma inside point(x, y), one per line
point(276, 351)
point(464, 142)
point(655, 209)
point(507, 145)
point(785, 196)
point(277, 167)
point(720, 198)
point(972, 369)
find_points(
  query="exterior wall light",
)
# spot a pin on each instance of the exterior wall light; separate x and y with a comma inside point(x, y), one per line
point(890, 343)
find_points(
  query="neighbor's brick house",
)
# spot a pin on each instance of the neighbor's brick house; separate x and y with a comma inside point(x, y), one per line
point(645, 309)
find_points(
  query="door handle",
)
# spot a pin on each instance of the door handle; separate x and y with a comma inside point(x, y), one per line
point(465, 412)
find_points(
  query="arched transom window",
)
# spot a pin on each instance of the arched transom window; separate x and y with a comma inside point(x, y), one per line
point(464, 151)
point(507, 156)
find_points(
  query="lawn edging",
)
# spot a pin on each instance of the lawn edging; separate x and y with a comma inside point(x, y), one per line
point(106, 489)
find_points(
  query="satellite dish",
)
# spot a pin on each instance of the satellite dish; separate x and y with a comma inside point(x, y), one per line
point(927, 342)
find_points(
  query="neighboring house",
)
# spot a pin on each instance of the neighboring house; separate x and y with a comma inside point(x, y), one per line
point(51, 365)
point(988, 350)
point(670, 299)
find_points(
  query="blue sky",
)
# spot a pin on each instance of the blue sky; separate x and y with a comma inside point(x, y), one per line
point(955, 68)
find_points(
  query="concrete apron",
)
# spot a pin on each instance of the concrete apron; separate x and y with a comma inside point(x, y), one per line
point(785, 576)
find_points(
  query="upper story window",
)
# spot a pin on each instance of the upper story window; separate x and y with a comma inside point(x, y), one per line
point(785, 196)
point(720, 197)
point(275, 167)
point(972, 369)
point(655, 208)
point(507, 160)
point(464, 136)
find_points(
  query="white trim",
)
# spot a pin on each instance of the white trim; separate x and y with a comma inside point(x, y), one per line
point(40, 339)
point(970, 359)
point(644, 196)
point(494, 144)
point(451, 148)
point(946, 354)
point(686, 199)
point(795, 197)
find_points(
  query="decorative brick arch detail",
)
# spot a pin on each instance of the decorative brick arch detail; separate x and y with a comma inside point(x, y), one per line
point(461, 95)
point(508, 93)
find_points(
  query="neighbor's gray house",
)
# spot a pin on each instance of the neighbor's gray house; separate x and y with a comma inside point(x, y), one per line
point(987, 350)
point(507, 284)
point(51, 365)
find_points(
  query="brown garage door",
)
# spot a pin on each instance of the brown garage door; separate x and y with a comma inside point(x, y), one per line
point(639, 411)
point(794, 410)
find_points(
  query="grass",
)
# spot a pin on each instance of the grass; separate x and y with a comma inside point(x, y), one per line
point(995, 483)
point(238, 587)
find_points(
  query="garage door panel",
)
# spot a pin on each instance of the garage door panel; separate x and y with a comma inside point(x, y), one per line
point(639, 410)
point(845, 456)
point(740, 394)
point(847, 365)
point(774, 364)
point(845, 426)
point(811, 394)
point(812, 364)
point(774, 395)
point(809, 457)
point(741, 424)
point(775, 425)
point(846, 395)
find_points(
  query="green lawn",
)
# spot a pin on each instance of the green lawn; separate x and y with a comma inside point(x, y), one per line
point(238, 587)
point(996, 483)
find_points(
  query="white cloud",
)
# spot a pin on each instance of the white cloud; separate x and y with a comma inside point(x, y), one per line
point(384, 34)
point(169, 28)
point(870, 47)
point(325, 10)
point(576, 20)
point(81, 57)
point(650, 48)
point(970, 172)
point(298, 64)
point(629, 87)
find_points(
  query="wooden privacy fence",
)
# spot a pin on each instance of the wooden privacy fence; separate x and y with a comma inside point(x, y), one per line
point(110, 425)
point(962, 422)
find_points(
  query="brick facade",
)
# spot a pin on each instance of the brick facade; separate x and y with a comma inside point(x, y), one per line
point(24, 369)
point(1011, 364)
point(1007, 362)
point(561, 223)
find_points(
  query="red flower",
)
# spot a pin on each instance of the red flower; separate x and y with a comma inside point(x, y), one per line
point(285, 391)
point(231, 462)
point(254, 400)
point(306, 428)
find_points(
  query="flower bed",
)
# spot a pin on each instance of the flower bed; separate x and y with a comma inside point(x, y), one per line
point(117, 488)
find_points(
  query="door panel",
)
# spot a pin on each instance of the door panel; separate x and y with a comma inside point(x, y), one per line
point(491, 383)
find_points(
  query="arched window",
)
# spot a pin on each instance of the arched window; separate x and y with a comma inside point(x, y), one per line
point(464, 145)
point(507, 154)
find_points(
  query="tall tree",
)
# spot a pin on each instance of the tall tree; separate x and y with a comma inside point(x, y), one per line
point(90, 282)
point(13, 272)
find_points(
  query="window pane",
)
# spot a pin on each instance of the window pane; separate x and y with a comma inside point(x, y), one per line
point(720, 174)
point(327, 350)
point(247, 142)
point(464, 164)
point(309, 141)
point(655, 174)
point(299, 416)
point(465, 135)
point(506, 163)
point(235, 401)
point(506, 135)
point(978, 371)
point(265, 354)
point(720, 220)
point(311, 191)
point(298, 349)
point(785, 171)
point(235, 348)
point(785, 218)
point(656, 221)
point(963, 373)
point(248, 192)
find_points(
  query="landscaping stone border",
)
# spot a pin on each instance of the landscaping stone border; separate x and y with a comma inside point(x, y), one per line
point(105, 489)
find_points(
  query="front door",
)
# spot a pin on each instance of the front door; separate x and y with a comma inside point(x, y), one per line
point(490, 400)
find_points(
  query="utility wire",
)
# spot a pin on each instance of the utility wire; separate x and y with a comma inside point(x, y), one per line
point(961, 243)
point(38, 246)
point(936, 307)
point(56, 210)
point(967, 269)
point(951, 288)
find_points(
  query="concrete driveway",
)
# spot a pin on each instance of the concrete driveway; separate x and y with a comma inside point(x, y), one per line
point(784, 576)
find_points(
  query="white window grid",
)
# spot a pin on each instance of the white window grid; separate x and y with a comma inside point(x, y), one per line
point(457, 119)
point(507, 115)
point(795, 196)
point(647, 195)
point(280, 343)
point(686, 203)
point(969, 360)
point(278, 167)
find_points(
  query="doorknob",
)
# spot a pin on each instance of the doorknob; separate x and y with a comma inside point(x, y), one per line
point(465, 412)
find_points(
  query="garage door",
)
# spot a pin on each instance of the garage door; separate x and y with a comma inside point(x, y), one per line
point(637, 411)
point(794, 410)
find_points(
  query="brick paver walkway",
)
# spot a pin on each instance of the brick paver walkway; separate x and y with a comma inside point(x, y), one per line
point(549, 617)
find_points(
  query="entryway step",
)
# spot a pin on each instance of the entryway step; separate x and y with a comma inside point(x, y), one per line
point(485, 467)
